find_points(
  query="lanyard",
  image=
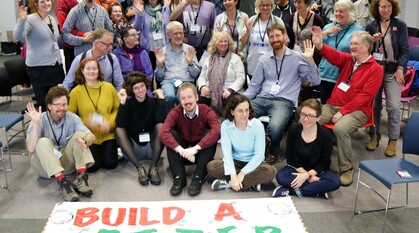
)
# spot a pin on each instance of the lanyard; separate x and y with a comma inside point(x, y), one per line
point(94, 17)
point(266, 29)
point(354, 68)
point(197, 13)
point(53, 133)
point(381, 42)
point(280, 68)
point(88, 94)
point(234, 28)
point(336, 38)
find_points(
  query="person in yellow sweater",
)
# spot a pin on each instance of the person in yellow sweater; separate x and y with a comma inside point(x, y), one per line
point(96, 103)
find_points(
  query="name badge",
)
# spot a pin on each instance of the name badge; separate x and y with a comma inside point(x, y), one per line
point(263, 49)
point(378, 56)
point(157, 36)
point(235, 44)
point(97, 118)
point(144, 137)
point(177, 82)
point(344, 87)
point(56, 45)
point(275, 88)
point(58, 153)
point(195, 28)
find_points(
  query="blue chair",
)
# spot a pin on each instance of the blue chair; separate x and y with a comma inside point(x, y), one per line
point(5, 185)
point(384, 170)
point(7, 121)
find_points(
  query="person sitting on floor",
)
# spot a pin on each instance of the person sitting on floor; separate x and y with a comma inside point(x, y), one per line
point(243, 147)
point(59, 144)
point(308, 152)
point(138, 125)
point(190, 133)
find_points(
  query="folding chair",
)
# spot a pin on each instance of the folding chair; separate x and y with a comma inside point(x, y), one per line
point(385, 170)
point(7, 122)
point(4, 171)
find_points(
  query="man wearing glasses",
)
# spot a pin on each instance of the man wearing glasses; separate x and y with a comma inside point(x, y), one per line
point(109, 65)
point(59, 144)
point(80, 23)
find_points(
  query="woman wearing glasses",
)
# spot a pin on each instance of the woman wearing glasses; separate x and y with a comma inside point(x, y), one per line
point(96, 103)
point(309, 147)
point(133, 57)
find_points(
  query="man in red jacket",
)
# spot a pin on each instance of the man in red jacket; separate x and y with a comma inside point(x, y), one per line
point(350, 104)
point(190, 134)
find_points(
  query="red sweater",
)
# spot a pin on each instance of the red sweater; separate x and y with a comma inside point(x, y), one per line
point(364, 84)
point(192, 130)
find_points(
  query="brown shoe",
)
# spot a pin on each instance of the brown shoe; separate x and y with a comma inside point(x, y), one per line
point(391, 148)
point(271, 159)
point(346, 178)
point(373, 143)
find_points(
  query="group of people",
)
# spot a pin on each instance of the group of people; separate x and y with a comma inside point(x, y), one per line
point(209, 67)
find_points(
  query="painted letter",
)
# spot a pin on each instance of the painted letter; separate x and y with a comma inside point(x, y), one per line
point(144, 218)
point(106, 214)
point(226, 229)
point(167, 220)
point(89, 213)
point(226, 210)
point(270, 228)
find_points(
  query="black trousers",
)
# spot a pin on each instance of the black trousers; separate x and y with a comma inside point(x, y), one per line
point(177, 163)
point(105, 155)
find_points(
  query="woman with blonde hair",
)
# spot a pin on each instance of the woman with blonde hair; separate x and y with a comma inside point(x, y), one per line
point(222, 75)
point(96, 103)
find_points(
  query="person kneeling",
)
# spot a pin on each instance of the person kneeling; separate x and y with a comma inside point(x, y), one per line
point(243, 147)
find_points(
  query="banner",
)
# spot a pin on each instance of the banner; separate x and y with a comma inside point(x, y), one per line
point(259, 215)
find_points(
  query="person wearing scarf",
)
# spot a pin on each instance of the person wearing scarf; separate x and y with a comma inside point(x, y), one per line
point(222, 75)
point(133, 57)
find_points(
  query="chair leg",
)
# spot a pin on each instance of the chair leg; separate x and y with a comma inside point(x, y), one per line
point(8, 151)
point(407, 194)
point(357, 190)
point(386, 210)
point(6, 185)
point(25, 152)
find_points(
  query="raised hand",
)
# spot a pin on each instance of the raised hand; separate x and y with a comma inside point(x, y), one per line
point(317, 37)
point(160, 57)
point(159, 93)
point(189, 55)
point(332, 30)
point(22, 13)
point(122, 95)
point(35, 116)
point(308, 50)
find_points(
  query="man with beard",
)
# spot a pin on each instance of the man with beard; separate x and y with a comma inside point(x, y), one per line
point(176, 64)
point(59, 144)
point(276, 84)
point(350, 104)
point(190, 133)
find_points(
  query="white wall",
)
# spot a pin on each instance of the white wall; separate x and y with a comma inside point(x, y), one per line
point(410, 12)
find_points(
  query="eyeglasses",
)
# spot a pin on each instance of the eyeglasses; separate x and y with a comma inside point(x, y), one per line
point(137, 34)
point(60, 105)
point(265, 5)
point(107, 45)
point(309, 116)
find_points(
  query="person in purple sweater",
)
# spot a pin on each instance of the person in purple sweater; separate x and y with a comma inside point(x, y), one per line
point(190, 134)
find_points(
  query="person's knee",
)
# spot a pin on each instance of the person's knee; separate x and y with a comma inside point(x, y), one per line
point(42, 143)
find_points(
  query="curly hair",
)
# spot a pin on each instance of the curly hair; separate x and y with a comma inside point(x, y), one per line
point(375, 4)
point(232, 104)
point(56, 92)
point(348, 6)
point(80, 79)
point(33, 5)
point(212, 45)
point(134, 78)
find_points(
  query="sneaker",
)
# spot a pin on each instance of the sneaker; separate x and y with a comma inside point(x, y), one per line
point(326, 195)
point(195, 186)
point(220, 184)
point(67, 190)
point(255, 188)
point(178, 185)
point(81, 185)
point(154, 176)
point(142, 176)
point(280, 192)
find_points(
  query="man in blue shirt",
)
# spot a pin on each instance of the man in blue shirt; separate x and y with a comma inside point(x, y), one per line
point(59, 144)
point(176, 63)
point(276, 84)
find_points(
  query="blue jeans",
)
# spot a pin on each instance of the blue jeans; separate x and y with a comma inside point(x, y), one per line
point(328, 182)
point(170, 94)
point(279, 112)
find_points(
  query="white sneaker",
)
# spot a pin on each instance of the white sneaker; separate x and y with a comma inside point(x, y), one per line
point(220, 184)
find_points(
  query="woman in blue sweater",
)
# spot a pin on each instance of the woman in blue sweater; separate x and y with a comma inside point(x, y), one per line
point(243, 147)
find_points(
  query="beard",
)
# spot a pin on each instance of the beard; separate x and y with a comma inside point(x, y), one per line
point(278, 45)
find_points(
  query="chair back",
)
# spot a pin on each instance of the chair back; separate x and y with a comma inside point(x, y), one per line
point(414, 53)
point(410, 140)
point(5, 89)
point(16, 68)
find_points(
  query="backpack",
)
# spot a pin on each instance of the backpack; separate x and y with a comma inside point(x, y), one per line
point(414, 88)
point(408, 80)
